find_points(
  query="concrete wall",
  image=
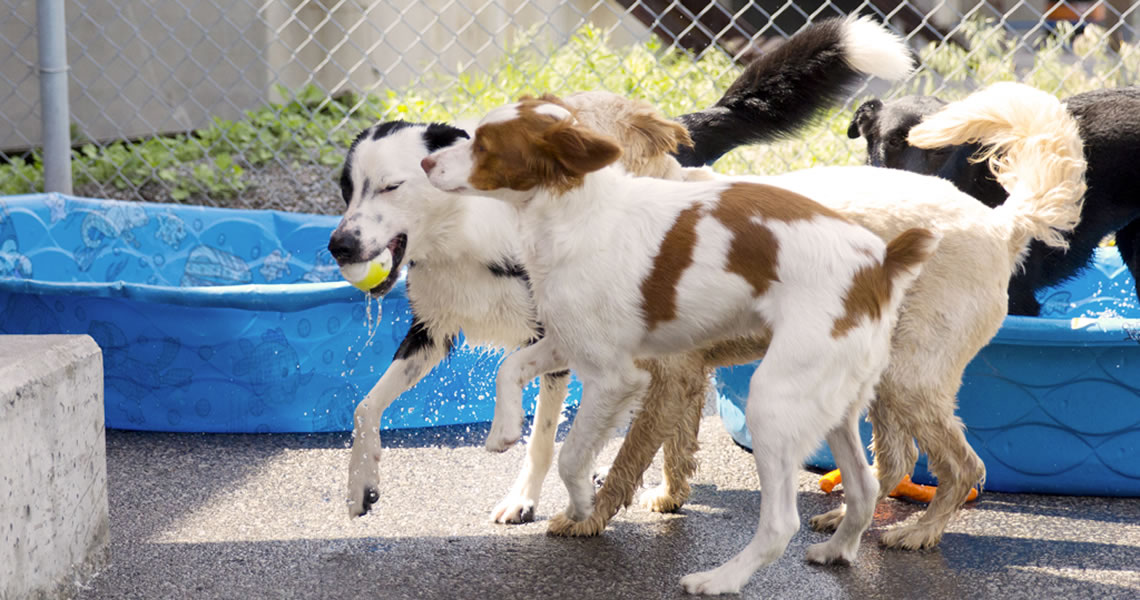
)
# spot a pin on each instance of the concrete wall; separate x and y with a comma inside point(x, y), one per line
point(54, 527)
point(140, 67)
point(369, 45)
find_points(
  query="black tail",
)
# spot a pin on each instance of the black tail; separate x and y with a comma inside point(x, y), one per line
point(785, 89)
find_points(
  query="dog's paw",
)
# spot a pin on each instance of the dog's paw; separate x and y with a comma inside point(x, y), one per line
point(363, 480)
point(502, 437)
point(600, 476)
point(564, 526)
point(831, 553)
point(360, 500)
point(513, 510)
point(828, 521)
point(911, 537)
point(712, 583)
point(659, 499)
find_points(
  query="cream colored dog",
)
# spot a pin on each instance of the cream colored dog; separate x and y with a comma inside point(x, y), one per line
point(952, 310)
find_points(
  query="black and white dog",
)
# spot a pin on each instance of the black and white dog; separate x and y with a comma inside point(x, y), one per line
point(1109, 123)
point(462, 255)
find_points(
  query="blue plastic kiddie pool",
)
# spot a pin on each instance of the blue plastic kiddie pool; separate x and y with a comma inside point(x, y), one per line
point(218, 320)
point(1052, 404)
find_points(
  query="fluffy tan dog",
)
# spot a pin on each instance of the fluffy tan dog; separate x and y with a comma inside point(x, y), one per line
point(953, 309)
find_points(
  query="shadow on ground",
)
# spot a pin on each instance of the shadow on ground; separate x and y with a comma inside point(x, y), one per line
point(262, 516)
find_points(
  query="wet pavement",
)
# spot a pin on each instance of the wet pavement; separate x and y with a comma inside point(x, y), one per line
point(262, 516)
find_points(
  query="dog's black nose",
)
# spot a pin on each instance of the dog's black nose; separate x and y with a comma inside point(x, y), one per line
point(427, 164)
point(344, 246)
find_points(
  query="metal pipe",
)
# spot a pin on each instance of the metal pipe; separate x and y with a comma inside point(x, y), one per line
point(54, 112)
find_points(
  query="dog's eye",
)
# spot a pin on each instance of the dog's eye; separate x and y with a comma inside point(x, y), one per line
point(479, 147)
point(390, 188)
point(895, 142)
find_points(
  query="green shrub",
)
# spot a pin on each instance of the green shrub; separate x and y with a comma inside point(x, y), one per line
point(313, 127)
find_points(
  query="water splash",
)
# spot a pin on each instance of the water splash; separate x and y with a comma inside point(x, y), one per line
point(373, 326)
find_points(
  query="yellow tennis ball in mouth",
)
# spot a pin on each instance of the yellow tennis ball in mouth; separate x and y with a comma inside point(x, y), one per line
point(367, 275)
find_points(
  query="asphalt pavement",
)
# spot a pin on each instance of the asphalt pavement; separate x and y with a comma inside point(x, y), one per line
point(262, 516)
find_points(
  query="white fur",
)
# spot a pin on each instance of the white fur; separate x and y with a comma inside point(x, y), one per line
point(874, 50)
point(451, 240)
point(507, 112)
point(589, 249)
point(553, 110)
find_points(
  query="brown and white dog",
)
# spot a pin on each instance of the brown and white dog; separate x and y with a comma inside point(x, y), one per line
point(625, 267)
point(950, 312)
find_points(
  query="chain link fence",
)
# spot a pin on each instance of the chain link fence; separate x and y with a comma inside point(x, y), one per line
point(251, 103)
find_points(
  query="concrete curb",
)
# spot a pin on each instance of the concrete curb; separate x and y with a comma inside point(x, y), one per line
point(53, 476)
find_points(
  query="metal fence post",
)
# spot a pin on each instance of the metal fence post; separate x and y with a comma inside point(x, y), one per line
point(55, 114)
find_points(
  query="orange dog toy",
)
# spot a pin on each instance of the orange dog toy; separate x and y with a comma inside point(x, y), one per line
point(906, 488)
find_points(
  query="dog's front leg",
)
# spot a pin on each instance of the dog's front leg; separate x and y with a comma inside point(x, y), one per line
point(521, 502)
point(518, 369)
point(417, 354)
point(606, 395)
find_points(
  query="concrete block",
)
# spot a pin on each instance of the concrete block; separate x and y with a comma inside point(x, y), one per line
point(53, 474)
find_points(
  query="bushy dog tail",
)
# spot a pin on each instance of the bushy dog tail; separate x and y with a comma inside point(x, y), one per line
point(785, 89)
point(1034, 148)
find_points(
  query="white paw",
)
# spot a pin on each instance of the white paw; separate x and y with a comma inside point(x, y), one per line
point(830, 553)
point(710, 583)
point(363, 482)
point(514, 509)
point(503, 436)
point(581, 502)
point(600, 475)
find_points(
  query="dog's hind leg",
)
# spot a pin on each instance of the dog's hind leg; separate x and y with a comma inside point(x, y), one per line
point(786, 421)
point(680, 450)
point(891, 445)
point(418, 353)
point(952, 461)
point(860, 490)
point(521, 501)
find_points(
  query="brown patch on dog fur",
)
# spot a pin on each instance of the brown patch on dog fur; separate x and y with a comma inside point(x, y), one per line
point(753, 253)
point(742, 201)
point(870, 290)
point(536, 149)
point(868, 294)
point(659, 289)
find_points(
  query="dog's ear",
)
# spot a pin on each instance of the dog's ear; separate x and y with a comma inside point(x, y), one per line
point(867, 113)
point(442, 135)
point(547, 98)
point(657, 134)
point(580, 151)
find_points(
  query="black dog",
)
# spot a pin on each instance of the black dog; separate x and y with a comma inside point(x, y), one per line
point(1109, 122)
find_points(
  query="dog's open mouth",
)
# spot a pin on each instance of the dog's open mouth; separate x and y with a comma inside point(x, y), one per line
point(396, 246)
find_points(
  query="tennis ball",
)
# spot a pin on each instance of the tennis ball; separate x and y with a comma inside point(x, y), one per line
point(367, 275)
